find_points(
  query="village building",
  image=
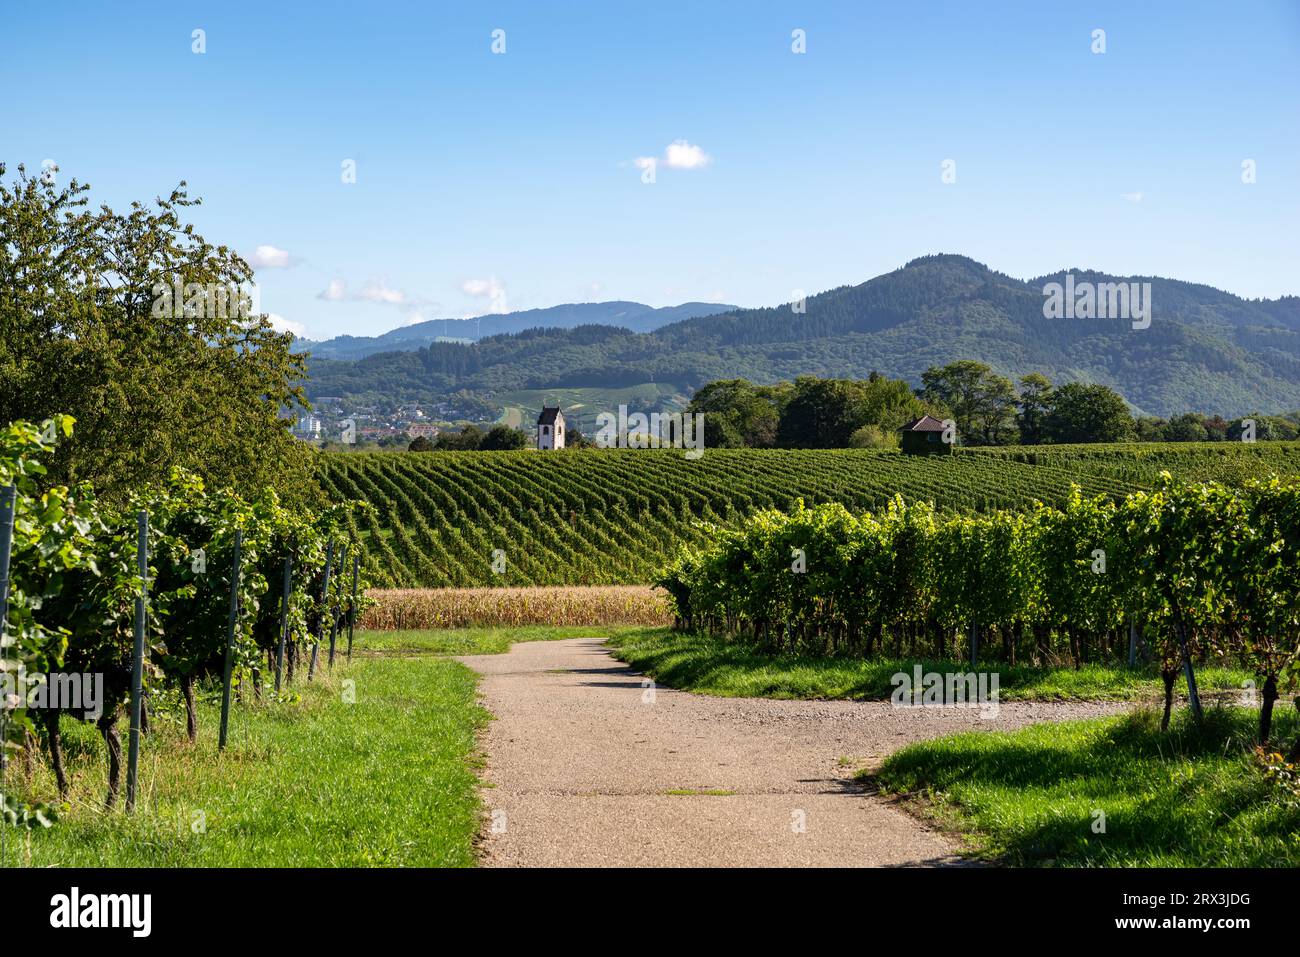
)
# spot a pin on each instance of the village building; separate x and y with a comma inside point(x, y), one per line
point(550, 428)
point(426, 429)
point(924, 436)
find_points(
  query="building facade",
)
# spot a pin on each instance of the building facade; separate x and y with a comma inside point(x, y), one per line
point(550, 428)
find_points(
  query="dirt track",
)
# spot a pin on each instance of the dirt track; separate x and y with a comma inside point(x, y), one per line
point(583, 760)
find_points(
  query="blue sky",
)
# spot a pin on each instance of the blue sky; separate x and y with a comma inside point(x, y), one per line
point(509, 181)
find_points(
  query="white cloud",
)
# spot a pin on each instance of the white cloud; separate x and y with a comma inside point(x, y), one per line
point(271, 257)
point(682, 155)
point(379, 291)
point(281, 324)
point(1132, 197)
point(490, 289)
point(678, 154)
point(376, 290)
point(336, 291)
point(414, 308)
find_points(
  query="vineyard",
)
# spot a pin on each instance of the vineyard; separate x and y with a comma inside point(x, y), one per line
point(1187, 573)
point(596, 517)
point(116, 609)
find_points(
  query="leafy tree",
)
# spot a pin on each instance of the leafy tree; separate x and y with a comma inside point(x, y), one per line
point(502, 438)
point(1150, 428)
point(421, 443)
point(91, 324)
point(740, 413)
point(1185, 428)
point(1035, 403)
point(467, 439)
point(873, 437)
point(824, 413)
point(983, 403)
point(1088, 413)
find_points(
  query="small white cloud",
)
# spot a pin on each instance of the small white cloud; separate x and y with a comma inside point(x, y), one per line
point(683, 155)
point(490, 289)
point(271, 257)
point(336, 291)
point(376, 290)
point(379, 291)
point(679, 154)
point(1132, 197)
point(281, 324)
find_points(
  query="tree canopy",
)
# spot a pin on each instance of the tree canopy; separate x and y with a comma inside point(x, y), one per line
point(142, 330)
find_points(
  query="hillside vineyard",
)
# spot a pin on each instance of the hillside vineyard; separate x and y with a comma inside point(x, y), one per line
point(456, 519)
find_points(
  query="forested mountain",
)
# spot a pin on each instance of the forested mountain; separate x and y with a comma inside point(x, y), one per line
point(1205, 349)
point(636, 316)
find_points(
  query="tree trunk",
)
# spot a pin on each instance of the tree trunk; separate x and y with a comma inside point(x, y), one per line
point(1192, 696)
point(1170, 677)
point(1266, 709)
point(108, 728)
point(55, 738)
point(1293, 756)
point(1042, 637)
point(191, 714)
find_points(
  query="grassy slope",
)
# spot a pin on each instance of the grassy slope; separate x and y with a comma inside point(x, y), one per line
point(732, 669)
point(1183, 799)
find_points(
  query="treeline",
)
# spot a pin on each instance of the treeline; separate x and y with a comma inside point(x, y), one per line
point(987, 409)
point(1192, 573)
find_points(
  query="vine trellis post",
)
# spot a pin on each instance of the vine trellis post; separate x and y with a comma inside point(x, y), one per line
point(228, 671)
point(8, 502)
point(137, 656)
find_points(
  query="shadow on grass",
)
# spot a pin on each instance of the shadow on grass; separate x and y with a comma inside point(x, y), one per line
point(1110, 792)
point(738, 669)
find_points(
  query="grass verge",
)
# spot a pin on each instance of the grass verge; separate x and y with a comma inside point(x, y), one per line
point(1188, 798)
point(385, 781)
point(736, 670)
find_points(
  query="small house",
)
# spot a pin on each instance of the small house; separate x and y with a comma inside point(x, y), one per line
point(925, 436)
point(550, 428)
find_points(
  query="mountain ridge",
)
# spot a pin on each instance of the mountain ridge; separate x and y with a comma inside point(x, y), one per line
point(1206, 349)
point(636, 316)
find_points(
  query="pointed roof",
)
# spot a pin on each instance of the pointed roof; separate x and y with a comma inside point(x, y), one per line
point(926, 423)
point(549, 415)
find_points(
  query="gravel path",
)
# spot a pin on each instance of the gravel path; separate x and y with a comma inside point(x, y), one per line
point(583, 760)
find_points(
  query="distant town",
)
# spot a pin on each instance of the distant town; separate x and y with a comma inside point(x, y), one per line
point(332, 421)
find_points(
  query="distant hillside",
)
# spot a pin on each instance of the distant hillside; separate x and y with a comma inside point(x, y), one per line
point(636, 316)
point(1205, 350)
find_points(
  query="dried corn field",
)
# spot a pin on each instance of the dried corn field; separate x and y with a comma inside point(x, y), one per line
point(399, 608)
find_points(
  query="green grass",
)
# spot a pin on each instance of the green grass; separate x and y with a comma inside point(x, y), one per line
point(386, 781)
point(1188, 798)
point(312, 782)
point(734, 669)
point(471, 641)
